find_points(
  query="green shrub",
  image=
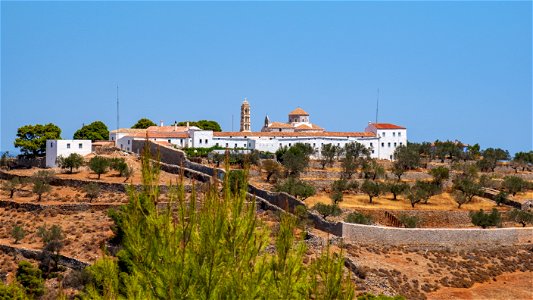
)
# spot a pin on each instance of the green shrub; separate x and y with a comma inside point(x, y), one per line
point(18, 233)
point(521, 216)
point(31, 279)
point(73, 161)
point(327, 209)
point(409, 221)
point(215, 248)
point(484, 220)
point(296, 188)
point(359, 218)
point(99, 165)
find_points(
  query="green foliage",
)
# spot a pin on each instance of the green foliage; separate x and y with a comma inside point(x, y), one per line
point(485, 220)
point(501, 198)
point(354, 156)
point(522, 160)
point(203, 124)
point(521, 216)
point(92, 190)
point(208, 249)
point(396, 188)
point(328, 152)
point(201, 152)
point(18, 233)
point(440, 174)
point(295, 187)
point(73, 161)
point(99, 165)
point(119, 164)
point(339, 186)
point(31, 139)
point(407, 157)
point(450, 149)
point(359, 218)
point(326, 210)
point(143, 124)
point(514, 184)
point(296, 158)
point(372, 169)
point(31, 279)
point(237, 180)
point(96, 131)
point(367, 296)
point(371, 188)
point(5, 161)
point(53, 242)
point(409, 221)
point(490, 157)
point(272, 168)
point(12, 291)
point(11, 186)
point(40, 188)
point(473, 151)
point(465, 189)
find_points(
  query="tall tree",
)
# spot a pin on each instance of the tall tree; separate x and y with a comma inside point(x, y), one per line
point(371, 188)
point(354, 154)
point(143, 124)
point(327, 154)
point(296, 158)
point(73, 161)
point(97, 130)
point(99, 165)
point(31, 139)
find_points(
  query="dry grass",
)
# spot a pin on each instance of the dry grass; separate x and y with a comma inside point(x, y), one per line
point(442, 201)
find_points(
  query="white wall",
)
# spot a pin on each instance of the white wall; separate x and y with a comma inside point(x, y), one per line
point(389, 140)
point(56, 148)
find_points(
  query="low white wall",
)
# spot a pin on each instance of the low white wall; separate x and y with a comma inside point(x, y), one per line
point(467, 237)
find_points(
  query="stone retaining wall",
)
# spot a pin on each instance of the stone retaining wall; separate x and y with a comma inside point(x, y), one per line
point(455, 238)
point(36, 254)
point(61, 207)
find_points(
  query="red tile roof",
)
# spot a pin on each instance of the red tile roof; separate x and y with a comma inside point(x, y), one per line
point(161, 135)
point(298, 112)
point(386, 126)
point(279, 125)
point(307, 127)
point(293, 134)
point(167, 128)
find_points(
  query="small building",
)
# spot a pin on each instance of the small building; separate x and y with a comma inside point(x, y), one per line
point(57, 148)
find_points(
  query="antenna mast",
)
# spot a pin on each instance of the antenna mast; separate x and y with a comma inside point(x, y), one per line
point(377, 107)
point(117, 112)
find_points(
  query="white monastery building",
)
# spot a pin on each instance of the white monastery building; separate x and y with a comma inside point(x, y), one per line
point(57, 148)
point(381, 138)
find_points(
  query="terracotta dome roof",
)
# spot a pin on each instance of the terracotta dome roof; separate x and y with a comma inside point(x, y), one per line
point(298, 112)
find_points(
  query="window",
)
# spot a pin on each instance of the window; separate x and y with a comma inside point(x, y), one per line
point(383, 134)
point(128, 148)
point(200, 140)
point(68, 146)
point(226, 145)
point(372, 151)
point(235, 145)
point(280, 145)
point(129, 142)
point(314, 145)
point(399, 134)
point(289, 144)
point(206, 141)
point(382, 144)
point(280, 130)
point(244, 145)
point(401, 143)
point(112, 138)
point(389, 145)
point(394, 144)
point(216, 144)
point(390, 157)
point(394, 134)
point(51, 145)
point(80, 145)
point(371, 145)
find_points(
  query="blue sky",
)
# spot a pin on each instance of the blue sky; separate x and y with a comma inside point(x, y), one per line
point(445, 70)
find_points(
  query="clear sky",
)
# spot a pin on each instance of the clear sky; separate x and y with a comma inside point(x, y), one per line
point(445, 70)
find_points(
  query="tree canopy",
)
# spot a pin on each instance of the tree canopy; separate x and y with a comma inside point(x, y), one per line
point(143, 124)
point(96, 131)
point(203, 124)
point(31, 139)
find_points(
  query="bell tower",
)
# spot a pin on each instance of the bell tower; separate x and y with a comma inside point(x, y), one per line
point(245, 116)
